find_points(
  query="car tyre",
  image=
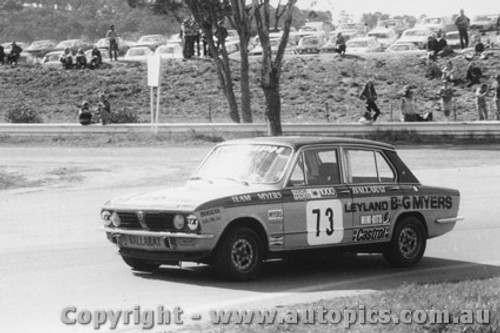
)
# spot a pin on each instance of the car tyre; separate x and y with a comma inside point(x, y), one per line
point(140, 265)
point(238, 256)
point(408, 243)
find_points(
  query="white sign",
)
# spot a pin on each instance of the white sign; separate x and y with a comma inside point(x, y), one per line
point(154, 70)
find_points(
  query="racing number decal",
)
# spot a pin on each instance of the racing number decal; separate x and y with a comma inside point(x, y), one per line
point(325, 222)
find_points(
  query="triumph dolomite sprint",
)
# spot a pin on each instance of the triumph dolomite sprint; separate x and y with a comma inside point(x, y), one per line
point(255, 199)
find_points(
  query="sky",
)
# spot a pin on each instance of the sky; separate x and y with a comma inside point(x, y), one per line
point(409, 7)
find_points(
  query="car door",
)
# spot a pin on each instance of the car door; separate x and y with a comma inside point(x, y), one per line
point(373, 183)
point(313, 200)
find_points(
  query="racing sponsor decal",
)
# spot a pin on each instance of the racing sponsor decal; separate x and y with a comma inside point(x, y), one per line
point(245, 198)
point(375, 219)
point(368, 189)
point(374, 206)
point(275, 215)
point(269, 196)
point(325, 222)
point(314, 193)
point(422, 202)
point(370, 234)
point(210, 215)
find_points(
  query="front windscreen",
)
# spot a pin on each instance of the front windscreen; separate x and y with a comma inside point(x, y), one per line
point(245, 163)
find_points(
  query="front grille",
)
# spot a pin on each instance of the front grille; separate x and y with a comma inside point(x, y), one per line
point(160, 221)
point(129, 220)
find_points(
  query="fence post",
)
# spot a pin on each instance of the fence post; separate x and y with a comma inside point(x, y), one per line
point(390, 105)
point(209, 112)
point(327, 113)
point(455, 111)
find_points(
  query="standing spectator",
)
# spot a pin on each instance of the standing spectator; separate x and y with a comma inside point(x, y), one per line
point(446, 95)
point(96, 58)
point(462, 22)
point(496, 87)
point(408, 106)
point(221, 34)
point(481, 94)
point(196, 38)
point(104, 109)
point(15, 54)
point(84, 114)
point(187, 35)
point(474, 74)
point(370, 96)
point(112, 37)
point(2, 55)
point(340, 44)
point(80, 61)
point(67, 59)
point(449, 72)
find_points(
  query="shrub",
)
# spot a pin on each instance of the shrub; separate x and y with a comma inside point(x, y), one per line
point(124, 116)
point(21, 113)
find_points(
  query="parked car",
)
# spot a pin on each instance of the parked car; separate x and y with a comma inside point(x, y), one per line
point(40, 48)
point(74, 45)
point(170, 51)
point(123, 45)
point(151, 41)
point(360, 28)
point(310, 44)
point(405, 49)
point(484, 22)
point(138, 54)
point(398, 25)
point(262, 198)
point(363, 45)
point(104, 55)
point(417, 36)
point(52, 59)
point(330, 45)
point(435, 24)
point(257, 50)
point(453, 39)
point(386, 36)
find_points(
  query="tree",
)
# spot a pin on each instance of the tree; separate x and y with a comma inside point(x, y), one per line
point(271, 68)
point(371, 19)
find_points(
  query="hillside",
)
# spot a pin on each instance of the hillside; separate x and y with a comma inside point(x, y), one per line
point(310, 86)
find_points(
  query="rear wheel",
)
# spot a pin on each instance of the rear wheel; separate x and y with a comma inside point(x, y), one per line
point(239, 255)
point(408, 243)
point(140, 265)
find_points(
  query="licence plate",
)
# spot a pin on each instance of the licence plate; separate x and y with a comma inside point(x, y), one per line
point(141, 242)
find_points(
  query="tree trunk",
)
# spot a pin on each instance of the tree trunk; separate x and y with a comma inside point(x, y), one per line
point(273, 103)
point(246, 108)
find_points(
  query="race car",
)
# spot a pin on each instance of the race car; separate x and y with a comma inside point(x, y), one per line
point(275, 197)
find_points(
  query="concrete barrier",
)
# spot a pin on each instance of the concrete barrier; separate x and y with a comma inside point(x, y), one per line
point(484, 129)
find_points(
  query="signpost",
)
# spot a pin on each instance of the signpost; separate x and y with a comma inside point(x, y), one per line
point(154, 80)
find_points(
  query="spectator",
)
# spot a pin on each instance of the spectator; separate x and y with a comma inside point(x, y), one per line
point(67, 59)
point(496, 88)
point(112, 36)
point(370, 96)
point(462, 22)
point(187, 35)
point(441, 43)
point(221, 34)
point(14, 55)
point(474, 74)
point(408, 106)
point(81, 61)
point(432, 47)
point(449, 72)
point(96, 58)
point(2, 55)
point(481, 94)
point(340, 44)
point(196, 38)
point(104, 109)
point(84, 114)
point(446, 95)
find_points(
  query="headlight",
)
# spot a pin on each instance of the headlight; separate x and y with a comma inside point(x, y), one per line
point(115, 219)
point(192, 222)
point(105, 216)
point(179, 222)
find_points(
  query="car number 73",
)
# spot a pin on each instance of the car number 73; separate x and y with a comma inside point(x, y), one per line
point(325, 223)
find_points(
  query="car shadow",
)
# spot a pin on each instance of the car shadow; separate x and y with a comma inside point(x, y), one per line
point(354, 273)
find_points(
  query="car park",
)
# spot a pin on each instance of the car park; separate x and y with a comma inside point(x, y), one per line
point(52, 59)
point(310, 44)
point(73, 44)
point(169, 51)
point(40, 48)
point(435, 24)
point(363, 45)
point(264, 198)
point(484, 23)
point(358, 29)
point(330, 45)
point(417, 36)
point(123, 45)
point(385, 36)
point(138, 54)
point(151, 41)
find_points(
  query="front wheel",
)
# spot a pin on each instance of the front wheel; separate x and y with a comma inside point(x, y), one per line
point(239, 255)
point(140, 265)
point(408, 243)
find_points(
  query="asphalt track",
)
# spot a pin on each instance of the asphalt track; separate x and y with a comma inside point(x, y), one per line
point(53, 255)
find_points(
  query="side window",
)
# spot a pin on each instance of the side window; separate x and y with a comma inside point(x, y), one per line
point(298, 178)
point(322, 167)
point(366, 166)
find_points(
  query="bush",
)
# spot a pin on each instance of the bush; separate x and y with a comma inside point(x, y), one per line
point(22, 113)
point(124, 117)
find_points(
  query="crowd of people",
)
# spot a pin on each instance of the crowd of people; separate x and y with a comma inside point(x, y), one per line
point(192, 34)
point(13, 56)
point(101, 114)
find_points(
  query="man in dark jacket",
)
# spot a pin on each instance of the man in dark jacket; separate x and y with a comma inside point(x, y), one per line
point(15, 54)
point(462, 22)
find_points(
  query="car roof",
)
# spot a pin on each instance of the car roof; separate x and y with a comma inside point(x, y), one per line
point(300, 141)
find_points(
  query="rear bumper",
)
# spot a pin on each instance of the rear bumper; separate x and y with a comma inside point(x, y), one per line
point(450, 220)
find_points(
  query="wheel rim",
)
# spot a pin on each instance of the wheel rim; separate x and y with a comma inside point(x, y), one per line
point(242, 254)
point(408, 242)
